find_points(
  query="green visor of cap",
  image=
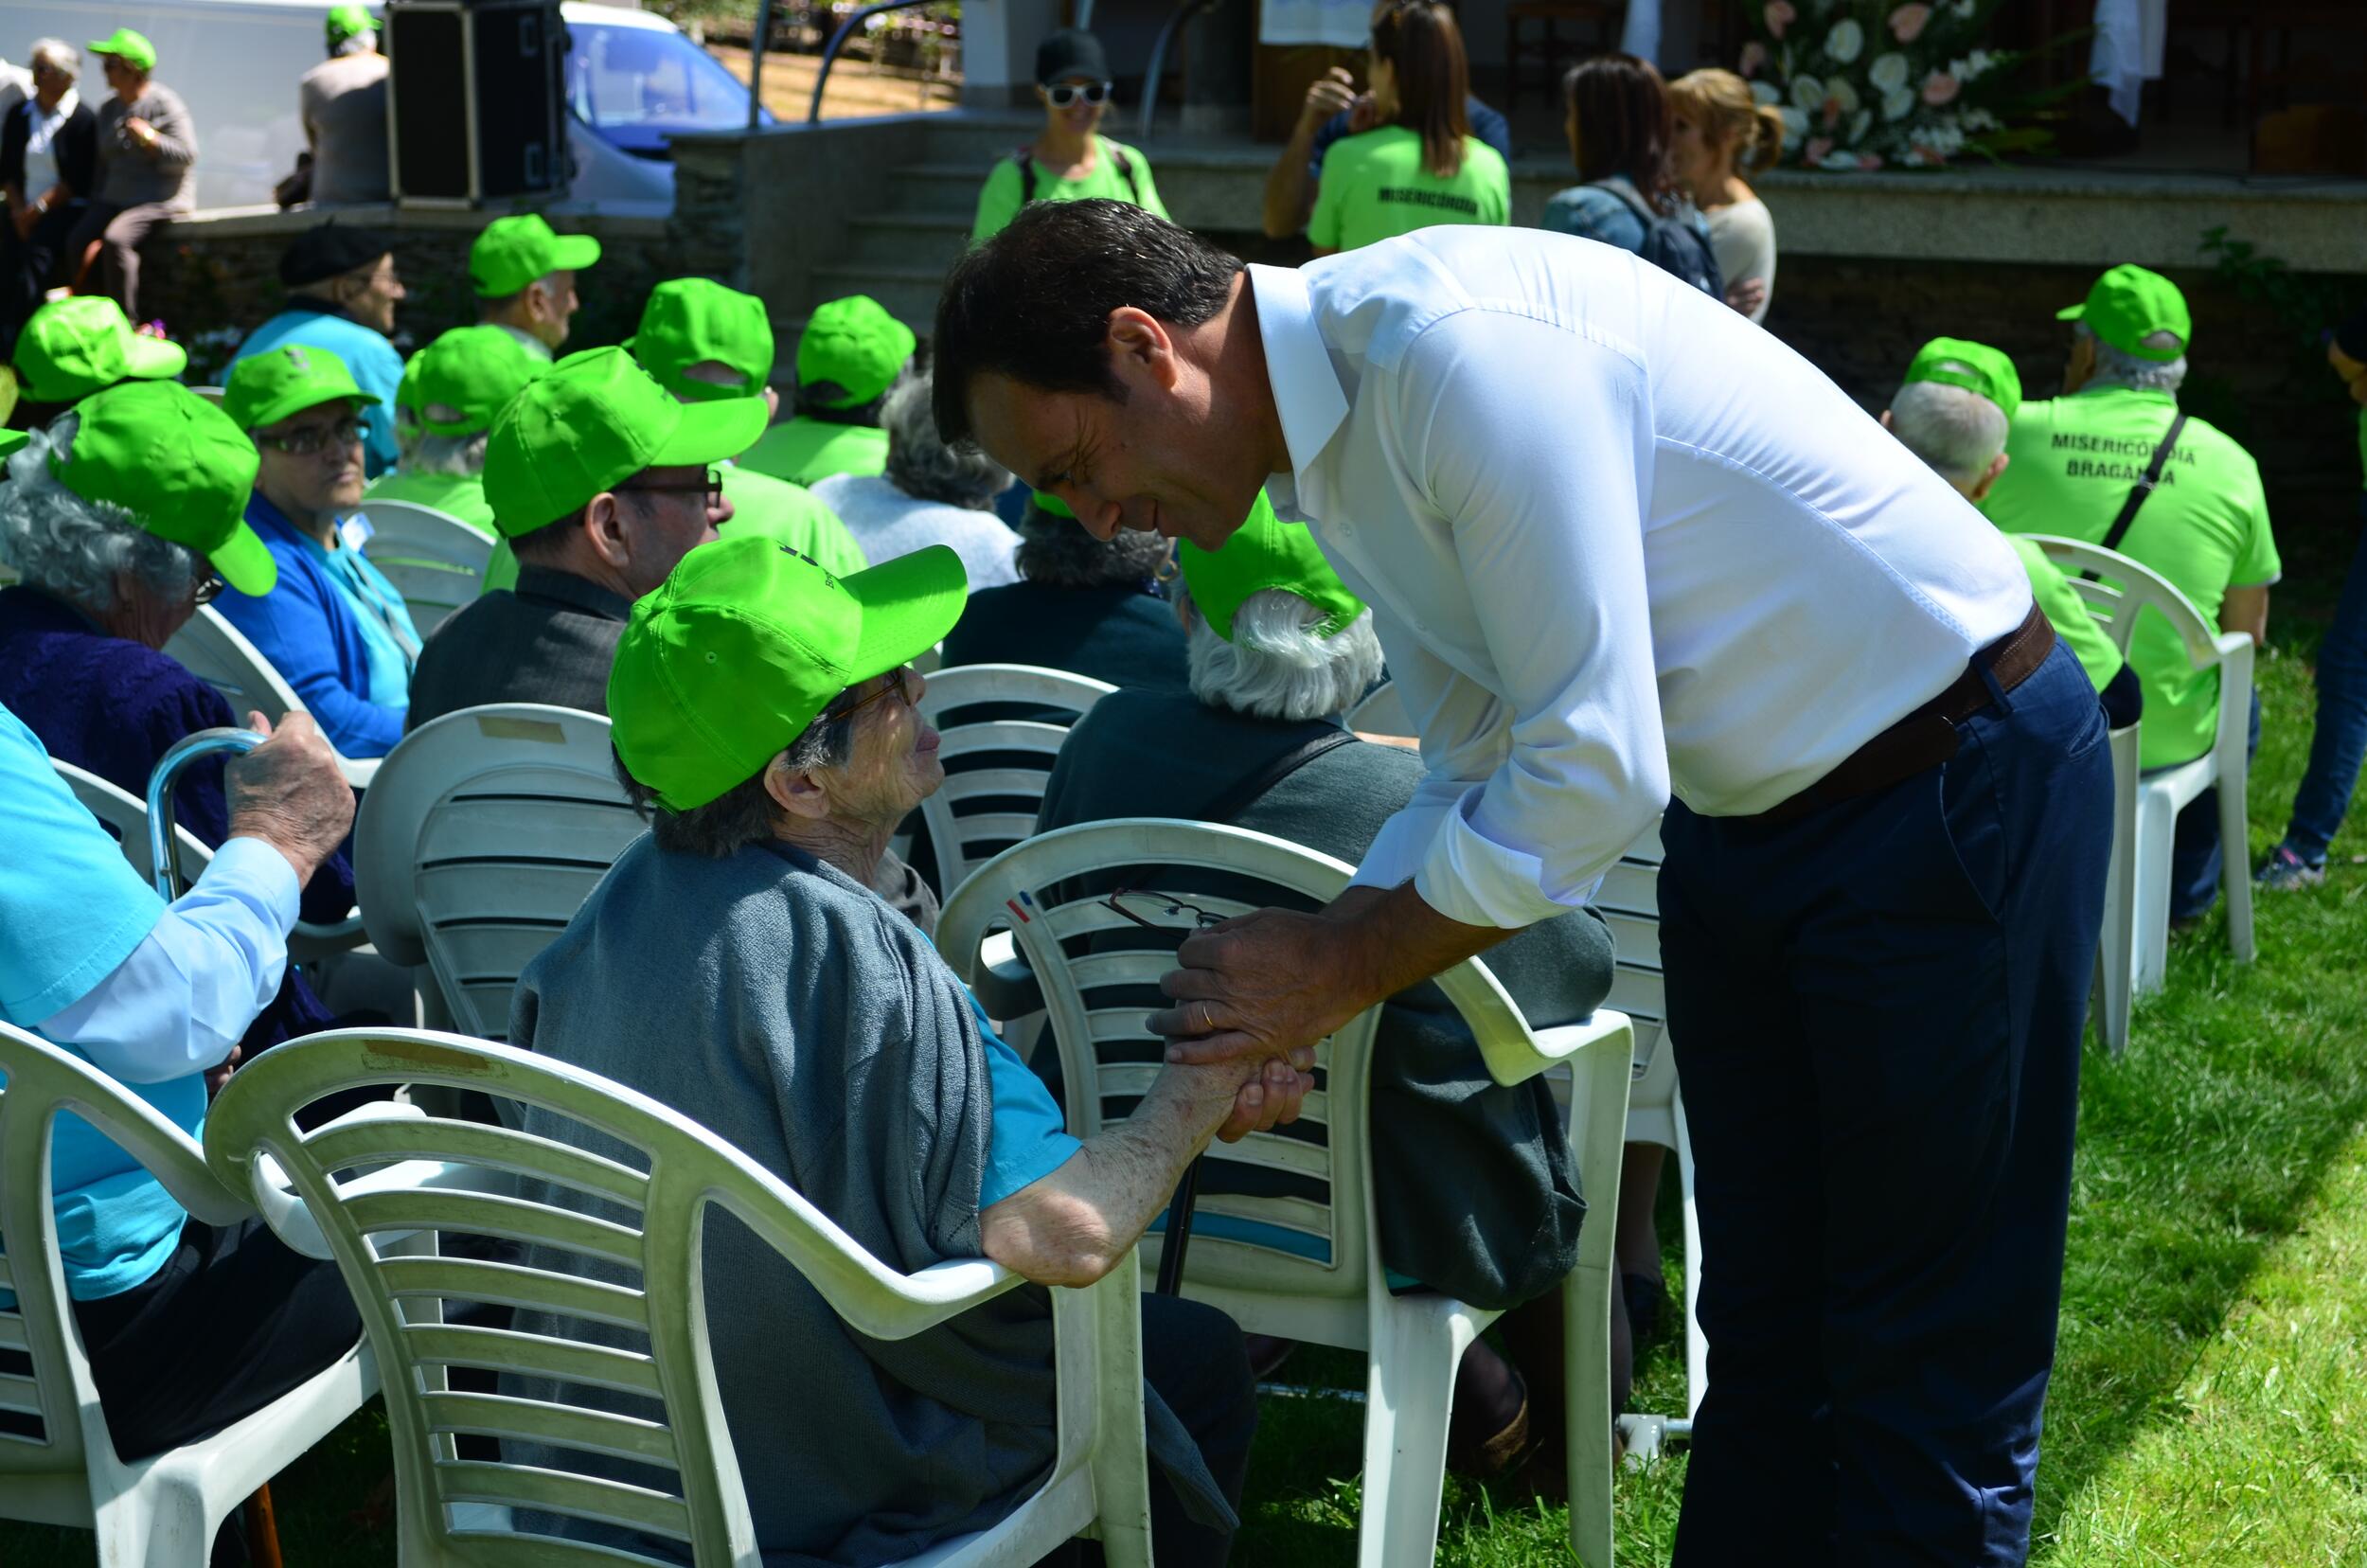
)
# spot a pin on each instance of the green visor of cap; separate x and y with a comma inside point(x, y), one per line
point(594, 420)
point(2129, 304)
point(747, 641)
point(1265, 552)
point(267, 387)
point(697, 321)
point(12, 442)
point(73, 346)
point(1974, 366)
point(180, 466)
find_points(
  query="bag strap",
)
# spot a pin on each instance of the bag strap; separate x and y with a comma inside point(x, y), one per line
point(2154, 465)
point(1237, 799)
point(1126, 167)
point(1025, 158)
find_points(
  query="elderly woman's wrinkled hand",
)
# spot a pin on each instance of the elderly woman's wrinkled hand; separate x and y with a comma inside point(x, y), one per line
point(291, 792)
point(1269, 1101)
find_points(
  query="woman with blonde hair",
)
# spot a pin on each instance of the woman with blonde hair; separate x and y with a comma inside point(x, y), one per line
point(1720, 133)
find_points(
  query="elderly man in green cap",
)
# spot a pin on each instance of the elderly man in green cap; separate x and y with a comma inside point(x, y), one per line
point(1953, 411)
point(334, 627)
point(82, 343)
point(456, 385)
point(341, 103)
point(2114, 461)
point(764, 712)
point(524, 277)
point(848, 357)
point(147, 157)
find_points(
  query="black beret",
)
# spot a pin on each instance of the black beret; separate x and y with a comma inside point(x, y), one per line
point(329, 251)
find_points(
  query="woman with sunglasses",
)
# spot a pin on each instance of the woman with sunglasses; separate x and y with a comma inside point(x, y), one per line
point(1070, 159)
point(1421, 166)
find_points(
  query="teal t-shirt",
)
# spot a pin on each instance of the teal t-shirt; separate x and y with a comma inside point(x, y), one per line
point(2073, 460)
point(1025, 1141)
point(1119, 172)
point(1375, 186)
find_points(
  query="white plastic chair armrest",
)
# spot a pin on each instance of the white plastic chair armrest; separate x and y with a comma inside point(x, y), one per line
point(1564, 1040)
point(359, 771)
point(958, 1284)
point(285, 1212)
point(1003, 982)
point(309, 939)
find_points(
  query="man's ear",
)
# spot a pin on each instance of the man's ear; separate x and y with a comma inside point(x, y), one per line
point(604, 527)
point(1988, 480)
point(1141, 349)
point(795, 790)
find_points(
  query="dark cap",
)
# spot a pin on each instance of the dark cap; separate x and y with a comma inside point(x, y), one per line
point(1069, 52)
point(329, 251)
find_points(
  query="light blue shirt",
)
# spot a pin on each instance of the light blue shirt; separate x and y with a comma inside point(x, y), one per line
point(389, 635)
point(152, 995)
point(1024, 1141)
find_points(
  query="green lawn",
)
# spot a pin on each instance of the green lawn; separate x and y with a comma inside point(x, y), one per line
point(2206, 1407)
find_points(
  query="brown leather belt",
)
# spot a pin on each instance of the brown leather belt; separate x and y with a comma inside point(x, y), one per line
point(1927, 737)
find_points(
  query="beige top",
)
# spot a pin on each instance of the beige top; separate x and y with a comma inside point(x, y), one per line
point(343, 102)
point(1743, 239)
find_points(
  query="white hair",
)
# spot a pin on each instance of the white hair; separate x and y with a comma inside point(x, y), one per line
point(2118, 368)
point(361, 43)
point(59, 53)
point(1276, 666)
point(922, 466)
point(73, 549)
point(1954, 429)
point(455, 457)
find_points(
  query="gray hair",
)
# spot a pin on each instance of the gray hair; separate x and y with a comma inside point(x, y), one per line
point(455, 456)
point(58, 52)
point(1276, 666)
point(361, 43)
point(1954, 429)
point(1059, 553)
point(2119, 367)
point(922, 466)
point(742, 815)
point(72, 548)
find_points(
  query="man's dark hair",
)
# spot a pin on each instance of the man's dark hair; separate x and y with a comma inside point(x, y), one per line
point(815, 399)
point(546, 543)
point(1033, 303)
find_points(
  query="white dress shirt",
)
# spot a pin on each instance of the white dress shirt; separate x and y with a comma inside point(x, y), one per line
point(1616, 540)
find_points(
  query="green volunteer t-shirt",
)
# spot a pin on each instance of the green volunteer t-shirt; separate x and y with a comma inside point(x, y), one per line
point(1118, 173)
point(790, 514)
point(1374, 187)
point(2068, 614)
point(455, 495)
point(2205, 528)
point(806, 451)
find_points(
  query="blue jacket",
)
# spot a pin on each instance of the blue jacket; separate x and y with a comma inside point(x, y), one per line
point(377, 367)
point(312, 634)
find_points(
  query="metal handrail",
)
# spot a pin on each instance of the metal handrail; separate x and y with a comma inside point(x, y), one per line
point(1174, 24)
point(838, 42)
point(188, 749)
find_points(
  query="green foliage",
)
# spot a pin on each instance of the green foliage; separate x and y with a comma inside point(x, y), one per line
point(2307, 304)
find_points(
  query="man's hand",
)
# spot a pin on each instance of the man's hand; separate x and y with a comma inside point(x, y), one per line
point(139, 131)
point(290, 792)
point(1327, 96)
point(1363, 115)
point(1747, 295)
point(1266, 984)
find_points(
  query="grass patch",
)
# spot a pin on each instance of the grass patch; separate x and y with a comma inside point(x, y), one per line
point(2206, 1407)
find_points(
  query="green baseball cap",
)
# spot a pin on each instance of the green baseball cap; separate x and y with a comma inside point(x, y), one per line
point(265, 388)
point(71, 348)
point(179, 466)
point(348, 22)
point(2128, 305)
point(746, 641)
point(1265, 552)
point(594, 420)
point(458, 382)
point(12, 442)
point(1974, 366)
point(693, 320)
point(131, 48)
point(514, 252)
point(855, 342)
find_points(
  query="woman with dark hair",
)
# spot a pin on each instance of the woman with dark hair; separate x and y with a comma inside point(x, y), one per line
point(1620, 131)
point(1421, 166)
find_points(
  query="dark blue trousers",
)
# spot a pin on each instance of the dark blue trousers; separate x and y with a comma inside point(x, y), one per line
point(1875, 1011)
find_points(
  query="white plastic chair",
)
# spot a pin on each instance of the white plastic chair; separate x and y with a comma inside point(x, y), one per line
point(217, 654)
point(1309, 1267)
point(435, 562)
point(1629, 903)
point(482, 833)
point(1382, 712)
point(981, 811)
point(2137, 903)
point(161, 1511)
point(363, 1180)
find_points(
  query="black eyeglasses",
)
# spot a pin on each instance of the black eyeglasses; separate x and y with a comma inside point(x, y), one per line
point(1063, 94)
point(1156, 911)
point(899, 685)
point(711, 487)
point(209, 587)
point(305, 442)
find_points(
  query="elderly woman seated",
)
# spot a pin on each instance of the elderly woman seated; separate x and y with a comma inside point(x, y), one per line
point(1086, 605)
point(931, 494)
point(103, 586)
point(1476, 1186)
point(735, 964)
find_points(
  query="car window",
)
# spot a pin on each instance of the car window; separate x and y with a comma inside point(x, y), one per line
point(637, 85)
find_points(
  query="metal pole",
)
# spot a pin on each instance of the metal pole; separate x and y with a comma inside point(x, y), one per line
point(188, 749)
point(838, 42)
point(1167, 30)
point(762, 42)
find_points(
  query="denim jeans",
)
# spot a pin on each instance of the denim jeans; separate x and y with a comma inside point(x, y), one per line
point(2196, 852)
point(2339, 742)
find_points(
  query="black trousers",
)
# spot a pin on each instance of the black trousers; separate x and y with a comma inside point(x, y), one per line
point(1875, 1011)
point(231, 1322)
point(29, 267)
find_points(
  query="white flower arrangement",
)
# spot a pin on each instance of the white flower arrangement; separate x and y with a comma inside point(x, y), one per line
point(1866, 84)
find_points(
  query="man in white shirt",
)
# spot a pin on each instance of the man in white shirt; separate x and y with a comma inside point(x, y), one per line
point(1616, 542)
